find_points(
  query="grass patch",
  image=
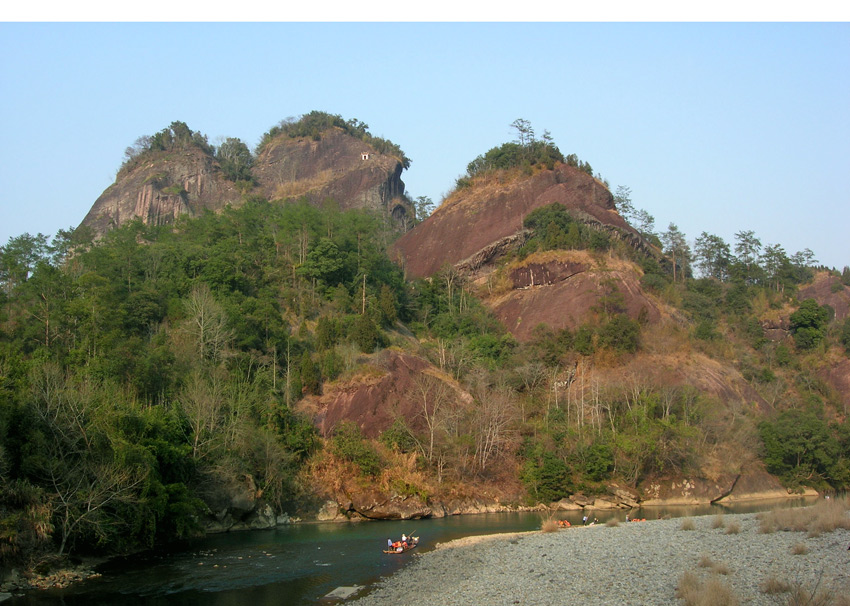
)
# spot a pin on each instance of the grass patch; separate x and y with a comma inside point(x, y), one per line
point(688, 524)
point(800, 549)
point(711, 592)
point(613, 522)
point(733, 528)
point(801, 594)
point(826, 516)
point(773, 586)
point(705, 561)
point(549, 525)
point(718, 521)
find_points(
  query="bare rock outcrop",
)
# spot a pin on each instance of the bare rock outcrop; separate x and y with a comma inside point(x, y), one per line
point(751, 484)
point(374, 504)
point(162, 187)
point(563, 289)
point(335, 169)
point(235, 503)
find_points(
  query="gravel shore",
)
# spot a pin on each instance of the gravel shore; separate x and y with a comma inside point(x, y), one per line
point(638, 563)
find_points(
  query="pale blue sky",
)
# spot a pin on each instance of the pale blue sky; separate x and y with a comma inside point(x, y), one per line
point(716, 127)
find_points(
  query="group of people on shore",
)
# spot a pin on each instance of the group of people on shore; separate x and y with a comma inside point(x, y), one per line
point(586, 521)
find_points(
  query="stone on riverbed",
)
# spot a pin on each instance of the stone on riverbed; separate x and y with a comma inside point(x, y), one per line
point(343, 593)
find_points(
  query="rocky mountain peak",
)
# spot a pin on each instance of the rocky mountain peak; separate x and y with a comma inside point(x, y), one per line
point(170, 178)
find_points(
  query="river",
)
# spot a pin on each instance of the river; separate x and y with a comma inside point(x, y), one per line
point(300, 564)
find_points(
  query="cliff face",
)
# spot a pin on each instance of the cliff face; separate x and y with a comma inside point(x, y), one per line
point(338, 167)
point(477, 219)
point(165, 185)
point(563, 289)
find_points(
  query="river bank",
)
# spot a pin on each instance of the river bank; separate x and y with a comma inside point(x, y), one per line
point(15, 582)
point(222, 556)
point(639, 563)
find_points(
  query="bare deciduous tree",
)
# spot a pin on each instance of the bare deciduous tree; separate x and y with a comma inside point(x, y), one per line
point(492, 425)
point(80, 472)
point(434, 397)
point(202, 401)
point(207, 324)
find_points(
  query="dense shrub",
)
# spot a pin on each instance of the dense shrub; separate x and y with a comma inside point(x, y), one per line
point(621, 333)
point(809, 323)
point(349, 444)
point(799, 447)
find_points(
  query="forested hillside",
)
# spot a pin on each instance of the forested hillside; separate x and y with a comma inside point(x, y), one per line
point(142, 371)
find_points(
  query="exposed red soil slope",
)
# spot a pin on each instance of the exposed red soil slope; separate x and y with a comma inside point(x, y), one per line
point(563, 290)
point(384, 391)
point(821, 290)
point(837, 374)
point(475, 218)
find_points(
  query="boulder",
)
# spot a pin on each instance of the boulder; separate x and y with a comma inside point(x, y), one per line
point(625, 496)
point(566, 505)
point(330, 511)
point(685, 491)
point(581, 500)
point(754, 485)
point(375, 505)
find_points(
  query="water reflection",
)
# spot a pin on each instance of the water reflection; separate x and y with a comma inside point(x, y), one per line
point(298, 565)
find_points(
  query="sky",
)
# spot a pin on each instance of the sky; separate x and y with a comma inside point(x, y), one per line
point(721, 126)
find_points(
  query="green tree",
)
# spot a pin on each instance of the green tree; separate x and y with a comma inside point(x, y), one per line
point(424, 207)
point(387, 305)
point(809, 323)
point(799, 447)
point(324, 262)
point(365, 333)
point(676, 245)
point(774, 261)
point(623, 203)
point(235, 159)
point(621, 333)
point(525, 132)
point(311, 379)
point(349, 444)
point(598, 461)
point(747, 247)
point(713, 256)
point(19, 257)
point(845, 334)
point(545, 476)
point(646, 225)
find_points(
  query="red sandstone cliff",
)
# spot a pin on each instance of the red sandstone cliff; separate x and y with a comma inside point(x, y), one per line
point(337, 167)
point(165, 185)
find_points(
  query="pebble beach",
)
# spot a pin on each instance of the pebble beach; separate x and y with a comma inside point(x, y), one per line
point(637, 563)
